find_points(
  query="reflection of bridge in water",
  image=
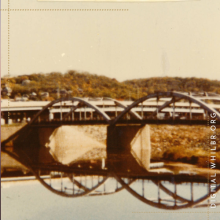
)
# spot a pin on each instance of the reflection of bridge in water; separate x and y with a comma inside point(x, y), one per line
point(160, 188)
point(155, 190)
point(163, 190)
point(122, 169)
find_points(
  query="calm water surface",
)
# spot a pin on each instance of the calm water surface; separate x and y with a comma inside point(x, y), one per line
point(30, 200)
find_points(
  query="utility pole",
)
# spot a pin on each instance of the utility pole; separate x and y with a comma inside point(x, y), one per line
point(137, 92)
point(58, 94)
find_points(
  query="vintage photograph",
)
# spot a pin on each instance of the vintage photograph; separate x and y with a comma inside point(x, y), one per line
point(110, 110)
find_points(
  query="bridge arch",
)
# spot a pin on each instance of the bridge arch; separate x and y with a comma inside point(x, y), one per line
point(117, 103)
point(183, 203)
point(173, 95)
point(87, 103)
point(65, 191)
point(25, 128)
point(84, 190)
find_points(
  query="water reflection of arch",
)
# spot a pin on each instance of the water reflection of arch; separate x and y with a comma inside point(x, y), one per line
point(174, 202)
point(176, 96)
point(123, 181)
point(64, 191)
point(82, 189)
point(184, 203)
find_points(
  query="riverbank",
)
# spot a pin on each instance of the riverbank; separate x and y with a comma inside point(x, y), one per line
point(180, 143)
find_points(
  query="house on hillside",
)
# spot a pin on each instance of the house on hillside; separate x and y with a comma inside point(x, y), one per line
point(56, 92)
point(33, 95)
point(70, 93)
point(25, 82)
point(80, 91)
point(63, 93)
point(20, 99)
point(44, 95)
point(6, 91)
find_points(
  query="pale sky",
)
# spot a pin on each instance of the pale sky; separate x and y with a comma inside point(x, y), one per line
point(149, 40)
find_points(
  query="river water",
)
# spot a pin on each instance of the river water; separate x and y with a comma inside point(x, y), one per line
point(62, 154)
point(29, 200)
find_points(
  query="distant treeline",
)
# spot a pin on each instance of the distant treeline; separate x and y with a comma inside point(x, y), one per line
point(91, 85)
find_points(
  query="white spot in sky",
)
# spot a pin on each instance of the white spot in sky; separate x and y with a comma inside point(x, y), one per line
point(63, 54)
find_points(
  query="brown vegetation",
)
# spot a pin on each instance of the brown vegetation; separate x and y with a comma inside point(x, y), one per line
point(83, 84)
point(189, 144)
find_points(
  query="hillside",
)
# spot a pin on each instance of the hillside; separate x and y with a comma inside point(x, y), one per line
point(150, 85)
point(53, 85)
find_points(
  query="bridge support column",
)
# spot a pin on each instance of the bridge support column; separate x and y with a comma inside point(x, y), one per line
point(2, 121)
point(80, 115)
point(4, 116)
point(51, 116)
point(133, 139)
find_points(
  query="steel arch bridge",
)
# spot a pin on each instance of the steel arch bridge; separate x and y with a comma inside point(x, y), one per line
point(175, 97)
point(75, 183)
point(176, 103)
point(175, 107)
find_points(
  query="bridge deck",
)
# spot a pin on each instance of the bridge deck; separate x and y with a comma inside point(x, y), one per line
point(126, 122)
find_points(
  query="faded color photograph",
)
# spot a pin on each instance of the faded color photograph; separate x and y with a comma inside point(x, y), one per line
point(110, 110)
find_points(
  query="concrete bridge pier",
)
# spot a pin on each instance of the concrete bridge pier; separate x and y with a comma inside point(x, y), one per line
point(134, 139)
